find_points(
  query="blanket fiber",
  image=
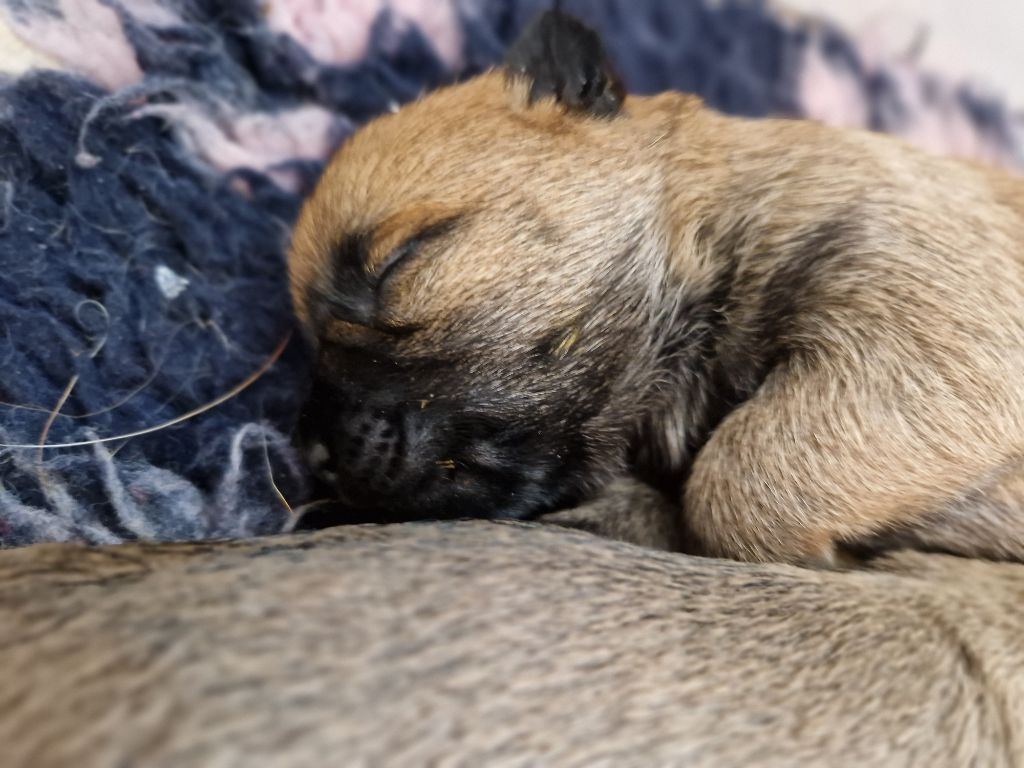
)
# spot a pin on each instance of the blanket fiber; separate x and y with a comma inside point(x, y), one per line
point(153, 154)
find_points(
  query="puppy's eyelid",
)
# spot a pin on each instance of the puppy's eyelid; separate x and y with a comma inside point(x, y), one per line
point(410, 246)
point(404, 249)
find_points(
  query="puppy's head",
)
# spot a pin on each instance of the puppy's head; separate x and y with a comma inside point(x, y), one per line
point(475, 272)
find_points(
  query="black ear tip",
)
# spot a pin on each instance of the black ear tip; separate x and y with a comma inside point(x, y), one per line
point(564, 58)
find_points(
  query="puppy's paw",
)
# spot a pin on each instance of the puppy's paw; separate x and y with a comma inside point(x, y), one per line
point(627, 510)
point(831, 557)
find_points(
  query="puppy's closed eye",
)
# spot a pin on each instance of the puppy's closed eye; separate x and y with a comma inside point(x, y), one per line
point(365, 261)
point(410, 247)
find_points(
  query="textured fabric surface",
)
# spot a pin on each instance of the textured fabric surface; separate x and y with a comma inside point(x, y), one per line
point(154, 153)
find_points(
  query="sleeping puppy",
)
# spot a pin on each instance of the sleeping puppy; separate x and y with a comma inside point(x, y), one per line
point(530, 292)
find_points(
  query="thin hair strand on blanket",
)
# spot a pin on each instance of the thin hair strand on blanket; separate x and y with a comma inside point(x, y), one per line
point(197, 411)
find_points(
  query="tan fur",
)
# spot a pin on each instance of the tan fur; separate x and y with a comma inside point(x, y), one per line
point(905, 390)
point(494, 644)
point(873, 329)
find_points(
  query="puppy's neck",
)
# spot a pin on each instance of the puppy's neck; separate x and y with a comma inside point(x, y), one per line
point(749, 210)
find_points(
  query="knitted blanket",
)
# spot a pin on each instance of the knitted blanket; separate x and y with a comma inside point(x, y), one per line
point(153, 154)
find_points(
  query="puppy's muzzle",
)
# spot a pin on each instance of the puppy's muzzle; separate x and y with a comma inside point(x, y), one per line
point(367, 449)
point(389, 456)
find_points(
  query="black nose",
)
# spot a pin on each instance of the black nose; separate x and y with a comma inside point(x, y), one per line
point(369, 448)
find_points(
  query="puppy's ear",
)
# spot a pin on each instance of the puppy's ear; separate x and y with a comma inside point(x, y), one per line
point(562, 57)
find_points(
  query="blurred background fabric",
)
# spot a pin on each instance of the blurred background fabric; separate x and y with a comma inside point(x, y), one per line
point(977, 41)
point(154, 154)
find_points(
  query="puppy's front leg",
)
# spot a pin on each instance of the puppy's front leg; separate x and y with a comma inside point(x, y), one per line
point(626, 510)
point(818, 458)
